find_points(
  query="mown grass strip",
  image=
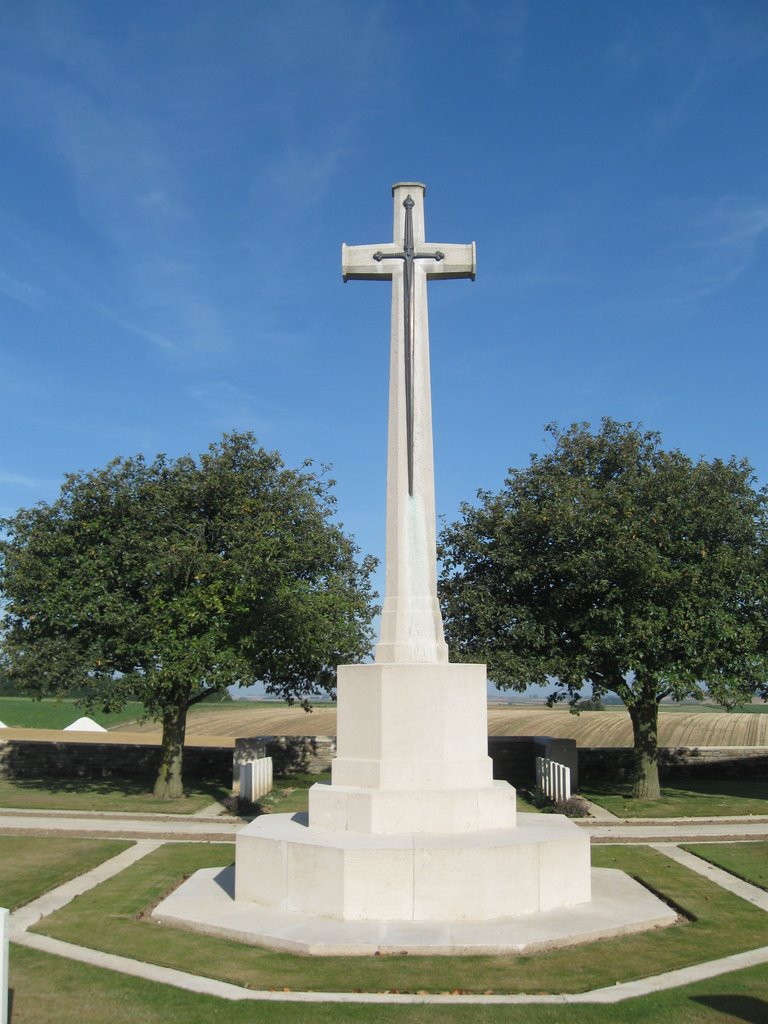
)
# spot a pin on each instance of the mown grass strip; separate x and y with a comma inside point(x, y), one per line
point(46, 988)
point(688, 798)
point(748, 861)
point(110, 918)
point(30, 866)
point(131, 795)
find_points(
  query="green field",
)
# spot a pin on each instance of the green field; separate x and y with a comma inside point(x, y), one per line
point(49, 713)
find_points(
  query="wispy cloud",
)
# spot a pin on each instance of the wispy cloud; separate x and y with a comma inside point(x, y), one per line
point(63, 289)
point(21, 291)
point(228, 404)
point(724, 239)
point(34, 483)
point(688, 51)
point(124, 160)
point(696, 249)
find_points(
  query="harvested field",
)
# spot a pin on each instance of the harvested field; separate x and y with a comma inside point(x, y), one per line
point(589, 729)
point(242, 720)
point(614, 728)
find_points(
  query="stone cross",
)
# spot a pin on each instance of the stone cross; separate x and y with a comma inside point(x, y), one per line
point(411, 625)
point(5, 918)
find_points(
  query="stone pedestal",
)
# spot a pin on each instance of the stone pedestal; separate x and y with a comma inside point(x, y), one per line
point(412, 826)
point(283, 863)
point(412, 754)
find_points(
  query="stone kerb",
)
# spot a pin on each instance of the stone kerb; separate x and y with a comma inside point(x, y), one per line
point(5, 918)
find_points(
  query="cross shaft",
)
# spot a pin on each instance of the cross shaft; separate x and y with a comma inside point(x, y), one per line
point(412, 627)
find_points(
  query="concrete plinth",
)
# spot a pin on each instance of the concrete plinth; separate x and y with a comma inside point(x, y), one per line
point(619, 906)
point(412, 754)
point(399, 811)
point(479, 876)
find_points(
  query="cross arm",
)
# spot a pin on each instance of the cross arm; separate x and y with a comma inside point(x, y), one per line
point(358, 264)
point(457, 261)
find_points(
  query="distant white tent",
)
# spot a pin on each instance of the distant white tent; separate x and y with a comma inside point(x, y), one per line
point(3, 725)
point(85, 725)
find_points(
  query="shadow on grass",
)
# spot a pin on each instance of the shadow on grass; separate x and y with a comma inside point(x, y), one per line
point(688, 789)
point(122, 786)
point(746, 1008)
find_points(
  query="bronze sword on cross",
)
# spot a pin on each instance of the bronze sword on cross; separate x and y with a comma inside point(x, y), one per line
point(450, 261)
point(408, 255)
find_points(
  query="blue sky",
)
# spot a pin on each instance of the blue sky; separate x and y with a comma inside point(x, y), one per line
point(176, 179)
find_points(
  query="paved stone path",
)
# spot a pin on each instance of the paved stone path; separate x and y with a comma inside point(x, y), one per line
point(207, 827)
point(737, 886)
point(679, 830)
point(187, 828)
point(162, 828)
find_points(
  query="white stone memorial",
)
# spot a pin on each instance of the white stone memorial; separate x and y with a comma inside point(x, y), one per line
point(255, 778)
point(4, 930)
point(412, 846)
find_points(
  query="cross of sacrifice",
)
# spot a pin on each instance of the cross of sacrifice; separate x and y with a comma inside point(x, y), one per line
point(359, 262)
point(411, 622)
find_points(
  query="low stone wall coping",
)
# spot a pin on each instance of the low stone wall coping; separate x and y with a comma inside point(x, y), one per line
point(123, 739)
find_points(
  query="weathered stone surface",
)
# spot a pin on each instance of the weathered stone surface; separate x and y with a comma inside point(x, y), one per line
point(619, 906)
point(484, 875)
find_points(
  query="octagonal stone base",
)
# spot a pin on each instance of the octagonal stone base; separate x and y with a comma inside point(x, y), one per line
point(619, 906)
point(541, 864)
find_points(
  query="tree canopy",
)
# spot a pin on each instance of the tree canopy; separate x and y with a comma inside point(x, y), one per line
point(611, 562)
point(173, 579)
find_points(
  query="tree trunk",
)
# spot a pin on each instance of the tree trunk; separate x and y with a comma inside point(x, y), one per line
point(169, 784)
point(645, 720)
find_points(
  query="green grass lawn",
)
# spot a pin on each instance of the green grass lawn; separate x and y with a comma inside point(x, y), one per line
point(113, 794)
point(686, 798)
point(745, 860)
point(290, 793)
point(112, 918)
point(46, 988)
point(30, 866)
point(25, 713)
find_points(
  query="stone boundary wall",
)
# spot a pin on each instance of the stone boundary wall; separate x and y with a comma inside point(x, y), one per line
point(40, 753)
point(290, 754)
point(50, 753)
point(72, 759)
point(598, 763)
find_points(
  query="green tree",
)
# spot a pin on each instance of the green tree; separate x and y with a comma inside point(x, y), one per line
point(7, 686)
point(612, 562)
point(172, 580)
